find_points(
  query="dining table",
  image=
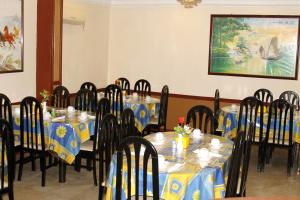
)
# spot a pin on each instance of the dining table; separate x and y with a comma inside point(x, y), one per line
point(145, 109)
point(183, 173)
point(64, 132)
point(229, 116)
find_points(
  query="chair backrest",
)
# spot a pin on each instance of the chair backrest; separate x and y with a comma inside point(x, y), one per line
point(103, 108)
point(85, 100)
point(128, 123)
point(163, 110)
point(142, 87)
point(239, 163)
point(251, 110)
point(32, 124)
point(216, 107)
point(201, 117)
point(280, 123)
point(5, 109)
point(92, 87)
point(109, 139)
point(114, 94)
point(246, 159)
point(60, 97)
point(124, 84)
point(291, 97)
point(135, 144)
point(264, 95)
point(7, 158)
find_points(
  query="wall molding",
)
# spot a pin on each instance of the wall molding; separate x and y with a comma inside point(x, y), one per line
point(210, 2)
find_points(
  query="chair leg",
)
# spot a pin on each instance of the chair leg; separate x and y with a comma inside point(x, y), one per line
point(21, 165)
point(101, 188)
point(77, 164)
point(89, 164)
point(32, 157)
point(43, 168)
point(95, 171)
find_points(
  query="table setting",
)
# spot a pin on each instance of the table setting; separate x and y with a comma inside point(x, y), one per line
point(197, 170)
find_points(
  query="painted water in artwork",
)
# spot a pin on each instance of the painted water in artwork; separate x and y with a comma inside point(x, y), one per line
point(11, 36)
point(256, 46)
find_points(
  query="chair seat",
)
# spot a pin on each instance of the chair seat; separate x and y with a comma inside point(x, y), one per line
point(87, 146)
point(154, 120)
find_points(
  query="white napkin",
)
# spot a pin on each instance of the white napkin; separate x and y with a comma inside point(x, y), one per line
point(175, 167)
point(58, 119)
point(91, 117)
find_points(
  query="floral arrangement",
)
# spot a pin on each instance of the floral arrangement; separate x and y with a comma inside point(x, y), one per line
point(182, 128)
point(45, 94)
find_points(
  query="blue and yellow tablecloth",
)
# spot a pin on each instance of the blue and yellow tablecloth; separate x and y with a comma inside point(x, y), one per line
point(63, 138)
point(143, 110)
point(183, 175)
point(228, 123)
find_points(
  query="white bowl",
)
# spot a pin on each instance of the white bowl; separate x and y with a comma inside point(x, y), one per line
point(71, 109)
point(215, 143)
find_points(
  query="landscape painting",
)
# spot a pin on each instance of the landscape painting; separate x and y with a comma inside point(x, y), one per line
point(257, 46)
point(11, 36)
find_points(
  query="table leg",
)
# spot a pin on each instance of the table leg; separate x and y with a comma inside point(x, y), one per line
point(62, 171)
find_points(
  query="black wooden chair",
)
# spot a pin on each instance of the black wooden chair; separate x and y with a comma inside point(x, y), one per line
point(201, 117)
point(217, 111)
point(251, 110)
point(114, 94)
point(6, 113)
point(291, 97)
point(264, 95)
point(90, 148)
point(239, 164)
point(85, 100)
point(32, 130)
point(280, 130)
point(150, 151)
point(109, 139)
point(60, 97)
point(142, 87)
point(124, 84)
point(128, 124)
point(161, 124)
point(7, 159)
point(92, 87)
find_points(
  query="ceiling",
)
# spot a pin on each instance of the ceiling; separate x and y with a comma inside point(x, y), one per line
point(203, 2)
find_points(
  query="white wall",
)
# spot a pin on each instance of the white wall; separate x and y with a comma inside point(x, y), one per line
point(85, 48)
point(170, 45)
point(21, 84)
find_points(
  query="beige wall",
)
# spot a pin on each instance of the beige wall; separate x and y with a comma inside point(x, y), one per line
point(21, 84)
point(85, 47)
point(170, 45)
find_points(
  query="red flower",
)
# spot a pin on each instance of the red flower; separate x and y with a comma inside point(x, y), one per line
point(181, 120)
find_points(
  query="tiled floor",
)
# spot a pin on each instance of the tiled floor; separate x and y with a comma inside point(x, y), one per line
point(79, 186)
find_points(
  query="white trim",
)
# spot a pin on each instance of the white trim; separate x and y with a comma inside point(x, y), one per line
point(209, 2)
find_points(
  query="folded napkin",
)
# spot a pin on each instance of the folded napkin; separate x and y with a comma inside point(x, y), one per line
point(59, 119)
point(91, 117)
point(175, 167)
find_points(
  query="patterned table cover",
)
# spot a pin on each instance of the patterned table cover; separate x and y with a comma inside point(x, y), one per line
point(228, 123)
point(183, 175)
point(64, 136)
point(143, 110)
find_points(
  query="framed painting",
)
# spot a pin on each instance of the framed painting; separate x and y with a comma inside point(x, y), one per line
point(11, 36)
point(254, 46)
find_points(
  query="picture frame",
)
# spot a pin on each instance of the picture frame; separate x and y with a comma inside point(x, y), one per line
point(262, 46)
point(11, 36)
